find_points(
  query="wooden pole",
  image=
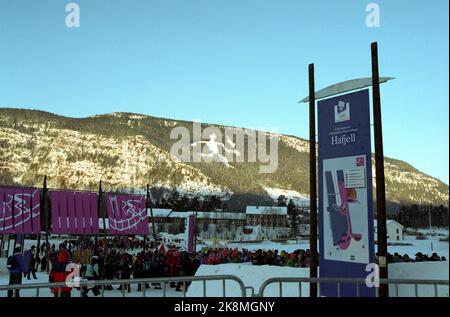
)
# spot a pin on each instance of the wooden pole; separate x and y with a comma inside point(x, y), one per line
point(312, 182)
point(379, 170)
point(22, 242)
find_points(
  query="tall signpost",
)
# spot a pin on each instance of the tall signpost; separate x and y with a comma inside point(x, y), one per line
point(379, 170)
point(345, 214)
point(312, 182)
point(345, 191)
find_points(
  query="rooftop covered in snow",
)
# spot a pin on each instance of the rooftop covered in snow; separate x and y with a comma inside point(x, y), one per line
point(169, 213)
point(266, 210)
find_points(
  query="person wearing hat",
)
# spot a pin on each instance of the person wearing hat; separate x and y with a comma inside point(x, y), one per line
point(419, 257)
point(16, 267)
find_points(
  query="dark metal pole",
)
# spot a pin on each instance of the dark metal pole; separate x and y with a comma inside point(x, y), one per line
point(379, 170)
point(38, 246)
point(100, 210)
point(9, 246)
point(150, 206)
point(15, 241)
point(312, 182)
point(45, 211)
point(195, 232)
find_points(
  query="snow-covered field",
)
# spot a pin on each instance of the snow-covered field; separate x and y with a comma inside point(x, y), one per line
point(429, 246)
point(411, 246)
point(254, 276)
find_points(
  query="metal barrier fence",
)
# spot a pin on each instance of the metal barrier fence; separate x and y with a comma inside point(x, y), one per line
point(356, 281)
point(103, 283)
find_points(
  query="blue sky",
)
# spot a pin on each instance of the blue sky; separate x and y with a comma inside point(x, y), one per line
point(241, 63)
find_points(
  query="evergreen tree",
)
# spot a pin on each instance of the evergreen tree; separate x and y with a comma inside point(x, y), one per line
point(281, 201)
point(293, 214)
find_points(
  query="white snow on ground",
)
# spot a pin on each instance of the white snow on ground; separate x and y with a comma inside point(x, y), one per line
point(254, 276)
point(411, 246)
point(429, 246)
point(289, 246)
point(433, 231)
point(251, 275)
point(419, 270)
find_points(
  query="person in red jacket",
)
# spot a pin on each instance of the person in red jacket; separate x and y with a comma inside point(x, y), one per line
point(173, 265)
point(58, 273)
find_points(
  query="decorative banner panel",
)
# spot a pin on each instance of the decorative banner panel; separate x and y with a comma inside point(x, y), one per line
point(20, 210)
point(189, 234)
point(127, 214)
point(74, 212)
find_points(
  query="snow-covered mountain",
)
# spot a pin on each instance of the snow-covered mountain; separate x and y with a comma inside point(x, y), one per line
point(128, 151)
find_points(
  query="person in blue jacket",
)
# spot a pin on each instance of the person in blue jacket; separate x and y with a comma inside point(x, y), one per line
point(16, 267)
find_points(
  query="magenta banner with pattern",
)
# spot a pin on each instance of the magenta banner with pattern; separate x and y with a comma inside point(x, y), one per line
point(190, 233)
point(74, 212)
point(127, 214)
point(20, 210)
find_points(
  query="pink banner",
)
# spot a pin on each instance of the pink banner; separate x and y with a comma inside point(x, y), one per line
point(93, 199)
point(190, 233)
point(36, 211)
point(127, 214)
point(64, 212)
point(77, 212)
point(18, 208)
point(8, 207)
point(2, 209)
point(26, 206)
point(56, 220)
point(87, 219)
point(73, 220)
point(20, 211)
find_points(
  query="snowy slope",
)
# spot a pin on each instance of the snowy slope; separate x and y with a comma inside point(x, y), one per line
point(298, 198)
